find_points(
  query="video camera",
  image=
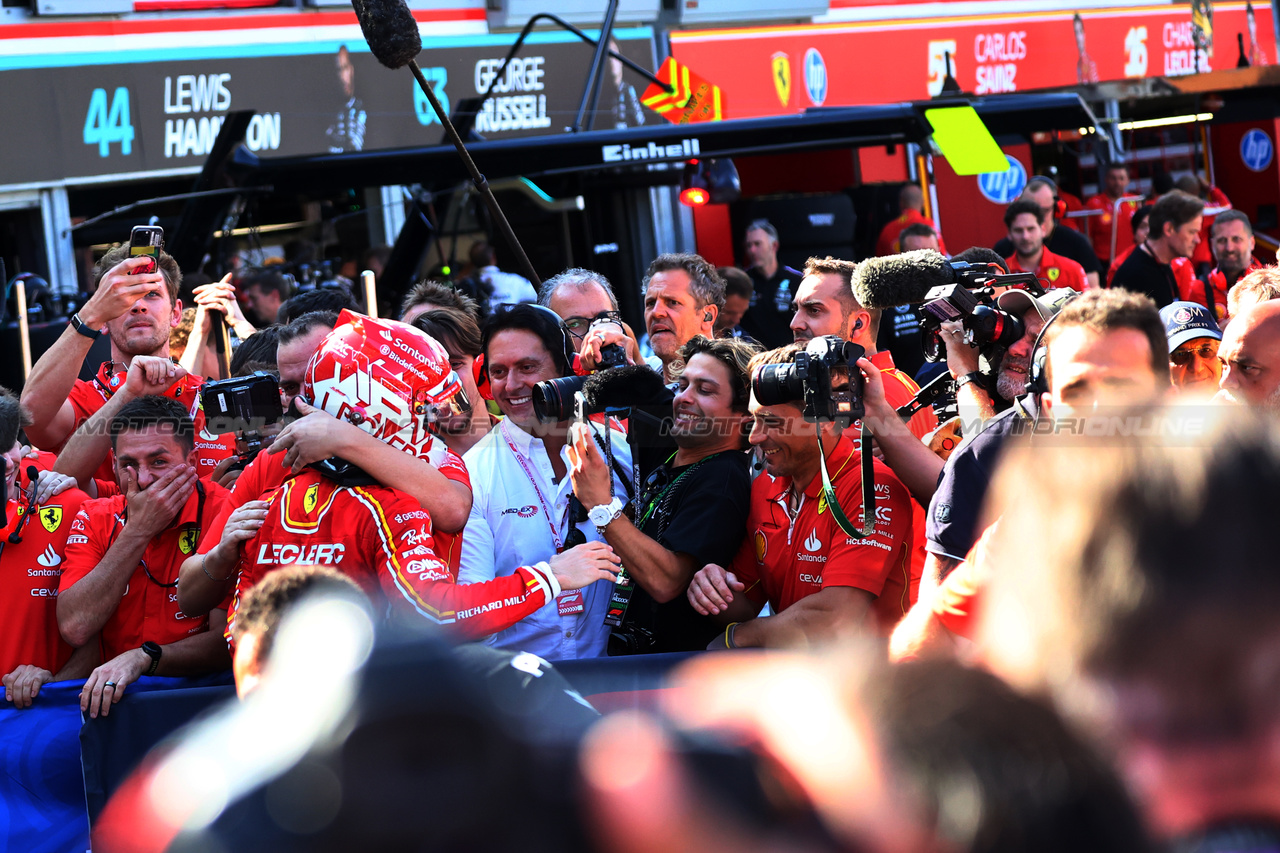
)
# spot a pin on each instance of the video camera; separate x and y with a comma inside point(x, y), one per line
point(825, 375)
point(244, 405)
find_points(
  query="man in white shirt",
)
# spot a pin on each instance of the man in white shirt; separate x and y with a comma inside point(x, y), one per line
point(508, 288)
point(523, 507)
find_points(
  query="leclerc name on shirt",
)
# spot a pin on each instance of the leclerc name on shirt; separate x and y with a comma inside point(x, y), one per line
point(653, 151)
point(301, 555)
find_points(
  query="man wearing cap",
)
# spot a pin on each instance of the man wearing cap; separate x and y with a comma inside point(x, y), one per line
point(952, 523)
point(980, 392)
point(1193, 347)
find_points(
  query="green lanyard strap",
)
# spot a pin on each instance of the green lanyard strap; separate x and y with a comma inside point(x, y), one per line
point(868, 491)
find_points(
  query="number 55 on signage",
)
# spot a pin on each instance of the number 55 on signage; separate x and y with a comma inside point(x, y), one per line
point(938, 51)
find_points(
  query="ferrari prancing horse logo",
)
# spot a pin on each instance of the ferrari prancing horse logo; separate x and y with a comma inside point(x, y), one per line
point(51, 517)
point(311, 498)
point(781, 67)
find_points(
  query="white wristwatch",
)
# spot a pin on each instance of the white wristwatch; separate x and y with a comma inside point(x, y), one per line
point(605, 514)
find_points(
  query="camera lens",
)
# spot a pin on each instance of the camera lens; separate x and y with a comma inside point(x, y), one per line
point(777, 383)
point(553, 399)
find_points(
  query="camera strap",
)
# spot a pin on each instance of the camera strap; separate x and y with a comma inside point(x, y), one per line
point(868, 490)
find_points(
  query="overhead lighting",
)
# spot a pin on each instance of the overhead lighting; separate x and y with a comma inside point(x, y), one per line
point(1164, 122)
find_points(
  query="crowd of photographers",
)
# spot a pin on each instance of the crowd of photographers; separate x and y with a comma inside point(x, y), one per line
point(1075, 501)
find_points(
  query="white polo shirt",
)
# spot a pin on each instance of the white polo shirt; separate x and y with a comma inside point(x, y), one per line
point(509, 527)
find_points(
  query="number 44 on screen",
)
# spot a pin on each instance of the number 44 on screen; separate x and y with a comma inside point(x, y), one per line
point(104, 125)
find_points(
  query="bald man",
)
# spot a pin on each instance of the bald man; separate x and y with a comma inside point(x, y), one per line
point(1250, 355)
point(910, 212)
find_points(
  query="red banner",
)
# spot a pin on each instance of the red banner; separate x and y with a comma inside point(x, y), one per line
point(777, 70)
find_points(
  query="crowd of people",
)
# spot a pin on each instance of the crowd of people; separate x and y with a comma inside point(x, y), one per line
point(538, 477)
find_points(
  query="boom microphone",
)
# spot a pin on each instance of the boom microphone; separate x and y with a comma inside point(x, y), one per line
point(390, 30)
point(900, 279)
point(393, 36)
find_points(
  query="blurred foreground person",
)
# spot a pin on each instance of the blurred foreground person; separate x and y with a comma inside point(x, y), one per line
point(1160, 641)
point(920, 757)
point(1250, 355)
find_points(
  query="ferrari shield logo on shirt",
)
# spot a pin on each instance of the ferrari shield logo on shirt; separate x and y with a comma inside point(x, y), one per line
point(762, 547)
point(1053, 273)
point(312, 496)
point(187, 540)
point(782, 77)
point(51, 517)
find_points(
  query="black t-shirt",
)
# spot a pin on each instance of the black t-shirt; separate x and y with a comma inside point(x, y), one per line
point(900, 335)
point(704, 516)
point(768, 319)
point(952, 525)
point(1066, 242)
point(1142, 273)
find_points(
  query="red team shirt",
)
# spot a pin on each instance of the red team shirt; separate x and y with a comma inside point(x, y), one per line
point(1099, 227)
point(147, 610)
point(1055, 269)
point(29, 582)
point(266, 473)
point(382, 539)
point(889, 244)
point(782, 561)
point(88, 397)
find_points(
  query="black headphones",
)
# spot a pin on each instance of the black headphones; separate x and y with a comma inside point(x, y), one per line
point(1037, 380)
point(1059, 206)
point(570, 355)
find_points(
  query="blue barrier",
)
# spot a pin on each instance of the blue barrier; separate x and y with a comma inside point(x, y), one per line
point(58, 773)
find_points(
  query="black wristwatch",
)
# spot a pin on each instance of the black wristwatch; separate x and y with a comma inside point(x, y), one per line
point(152, 651)
point(975, 376)
point(82, 328)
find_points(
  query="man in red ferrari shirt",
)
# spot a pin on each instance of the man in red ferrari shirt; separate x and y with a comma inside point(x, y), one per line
point(118, 581)
point(1233, 244)
point(392, 381)
point(910, 212)
point(438, 481)
point(1100, 227)
point(33, 540)
point(820, 583)
point(1030, 254)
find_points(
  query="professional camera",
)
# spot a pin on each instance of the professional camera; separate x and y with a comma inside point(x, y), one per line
point(553, 399)
point(986, 326)
point(825, 375)
point(245, 405)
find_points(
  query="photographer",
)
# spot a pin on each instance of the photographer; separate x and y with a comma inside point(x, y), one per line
point(820, 582)
point(523, 508)
point(692, 509)
point(951, 526)
point(975, 391)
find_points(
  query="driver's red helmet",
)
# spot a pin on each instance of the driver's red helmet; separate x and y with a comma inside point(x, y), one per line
point(387, 378)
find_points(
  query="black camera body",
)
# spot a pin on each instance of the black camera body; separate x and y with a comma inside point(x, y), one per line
point(244, 405)
point(553, 399)
point(986, 326)
point(825, 376)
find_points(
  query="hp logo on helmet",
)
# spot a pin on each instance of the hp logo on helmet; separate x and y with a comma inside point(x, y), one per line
point(1004, 187)
point(815, 76)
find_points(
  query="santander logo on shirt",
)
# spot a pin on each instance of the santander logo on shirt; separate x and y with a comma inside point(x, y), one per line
point(49, 559)
point(812, 543)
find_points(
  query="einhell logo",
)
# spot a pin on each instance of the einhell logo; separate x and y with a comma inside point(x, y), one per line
point(653, 151)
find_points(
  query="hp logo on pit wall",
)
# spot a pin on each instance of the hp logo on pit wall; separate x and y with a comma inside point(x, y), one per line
point(815, 76)
point(1004, 187)
point(1256, 150)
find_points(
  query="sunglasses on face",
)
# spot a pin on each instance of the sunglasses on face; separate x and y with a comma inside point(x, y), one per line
point(1184, 357)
